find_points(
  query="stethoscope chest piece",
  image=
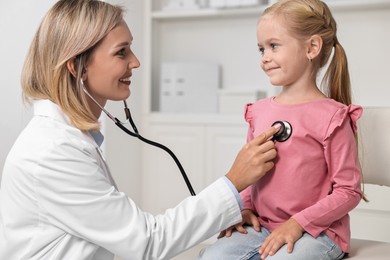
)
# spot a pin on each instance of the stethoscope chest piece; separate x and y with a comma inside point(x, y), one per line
point(284, 132)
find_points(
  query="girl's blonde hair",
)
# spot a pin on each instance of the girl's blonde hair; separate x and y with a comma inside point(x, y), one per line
point(70, 30)
point(305, 18)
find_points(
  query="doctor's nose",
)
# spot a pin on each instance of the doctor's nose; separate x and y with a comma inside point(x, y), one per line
point(134, 62)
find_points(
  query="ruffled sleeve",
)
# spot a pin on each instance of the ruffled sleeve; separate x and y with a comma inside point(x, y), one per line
point(351, 113)
point(249, 118)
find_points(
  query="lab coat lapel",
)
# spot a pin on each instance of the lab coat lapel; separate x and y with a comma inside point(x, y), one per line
point(106, 170)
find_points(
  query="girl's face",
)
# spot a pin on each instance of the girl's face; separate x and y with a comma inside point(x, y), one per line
point(110, 65)
point(284, 58)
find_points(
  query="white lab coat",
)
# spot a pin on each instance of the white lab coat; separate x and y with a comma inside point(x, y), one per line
point(58, 201)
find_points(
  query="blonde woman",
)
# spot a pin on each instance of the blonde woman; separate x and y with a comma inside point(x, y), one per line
point(299, 210)
point(58, 198)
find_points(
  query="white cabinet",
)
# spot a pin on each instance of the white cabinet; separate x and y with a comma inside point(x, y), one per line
point(163, 185)
point(206, 149)
point(223, 142)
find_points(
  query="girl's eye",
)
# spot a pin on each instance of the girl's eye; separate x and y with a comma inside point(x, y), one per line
point(273, 46)
point(261, 50)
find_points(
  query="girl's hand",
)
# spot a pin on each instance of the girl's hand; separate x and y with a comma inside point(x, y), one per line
point(248, 218)
point(287, 233)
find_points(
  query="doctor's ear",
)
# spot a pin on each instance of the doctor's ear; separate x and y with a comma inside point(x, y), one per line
point(72, 67)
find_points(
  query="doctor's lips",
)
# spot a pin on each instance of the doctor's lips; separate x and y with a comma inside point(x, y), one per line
point(126, 80)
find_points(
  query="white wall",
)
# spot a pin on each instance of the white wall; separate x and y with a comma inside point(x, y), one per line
point(365, 35)
point(18, 22)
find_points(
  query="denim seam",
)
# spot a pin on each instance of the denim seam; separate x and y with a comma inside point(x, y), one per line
point(250, 254)
point(329, 255)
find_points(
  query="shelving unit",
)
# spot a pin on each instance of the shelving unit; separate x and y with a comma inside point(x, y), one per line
point(163, 24)
point(351, 5)
point(207, 143)
point(167, 29)
point(207, 13)
point(354, 5)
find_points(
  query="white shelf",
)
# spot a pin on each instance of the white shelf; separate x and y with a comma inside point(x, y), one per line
point(230, 12)
point(358, 4)
point(335, 5)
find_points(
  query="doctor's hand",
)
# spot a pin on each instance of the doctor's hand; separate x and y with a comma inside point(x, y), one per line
point(248, 218)
point(254, 160)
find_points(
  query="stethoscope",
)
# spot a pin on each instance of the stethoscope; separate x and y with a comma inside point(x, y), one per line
point(282, 135)
point(284, 132)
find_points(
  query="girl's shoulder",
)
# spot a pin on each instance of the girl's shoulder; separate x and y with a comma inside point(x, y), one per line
point(259, 105)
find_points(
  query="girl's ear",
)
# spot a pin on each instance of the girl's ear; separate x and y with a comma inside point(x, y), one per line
point(314, 46)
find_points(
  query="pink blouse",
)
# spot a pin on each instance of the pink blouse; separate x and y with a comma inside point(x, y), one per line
point(316, 178)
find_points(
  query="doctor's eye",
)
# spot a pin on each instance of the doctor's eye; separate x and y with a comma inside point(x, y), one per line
point(122, 52)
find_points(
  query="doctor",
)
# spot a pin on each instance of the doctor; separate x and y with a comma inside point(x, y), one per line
point(57, 197)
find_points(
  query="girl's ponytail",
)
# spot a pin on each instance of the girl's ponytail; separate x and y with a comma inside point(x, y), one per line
point(337, 76)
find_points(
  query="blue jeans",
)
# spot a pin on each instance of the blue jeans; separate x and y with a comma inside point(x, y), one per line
point(245, 246)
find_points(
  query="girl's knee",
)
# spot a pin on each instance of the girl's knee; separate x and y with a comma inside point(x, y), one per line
point(238, 246)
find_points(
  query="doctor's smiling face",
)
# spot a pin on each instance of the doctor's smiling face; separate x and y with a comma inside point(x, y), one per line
point(109, 67)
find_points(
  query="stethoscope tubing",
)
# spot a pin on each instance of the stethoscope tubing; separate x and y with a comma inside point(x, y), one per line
point(140, 137)
point(163, 147)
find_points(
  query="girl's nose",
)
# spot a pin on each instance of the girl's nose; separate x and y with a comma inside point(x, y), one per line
point(266, 58)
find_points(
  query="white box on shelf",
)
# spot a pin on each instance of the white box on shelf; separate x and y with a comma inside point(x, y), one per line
point(189, 87)
point(234, 100)
point(252, 2)
point(232, 3)
point(271, 2)
point(217, 3)
point(174, 5)
point(203, 3)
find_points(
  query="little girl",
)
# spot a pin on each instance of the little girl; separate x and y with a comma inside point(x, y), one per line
point(299, 210)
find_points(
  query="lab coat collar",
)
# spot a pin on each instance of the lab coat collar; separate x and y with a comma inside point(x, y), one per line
point(47, 108)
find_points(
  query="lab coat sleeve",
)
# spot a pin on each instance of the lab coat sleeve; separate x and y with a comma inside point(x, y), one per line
point(75, 195)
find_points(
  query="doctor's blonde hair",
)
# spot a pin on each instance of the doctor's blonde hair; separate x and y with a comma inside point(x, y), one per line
point(68, 32)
